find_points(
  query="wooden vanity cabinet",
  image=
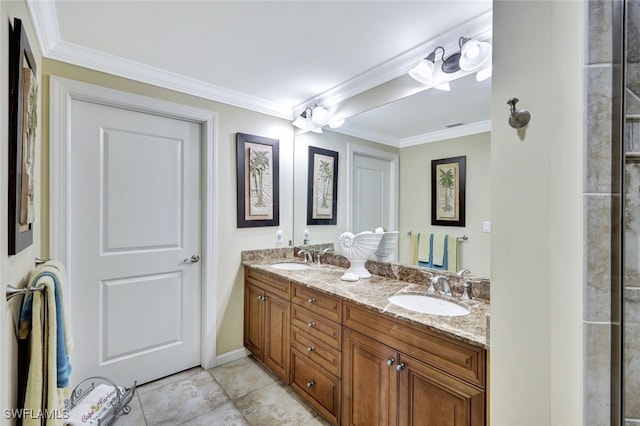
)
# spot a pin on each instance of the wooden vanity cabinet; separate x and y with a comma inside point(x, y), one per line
point(267, 320)
point(397, 374)
point(316, 350)
point(357, 366)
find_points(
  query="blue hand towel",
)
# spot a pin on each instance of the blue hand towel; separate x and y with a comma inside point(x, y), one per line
point(62, 358)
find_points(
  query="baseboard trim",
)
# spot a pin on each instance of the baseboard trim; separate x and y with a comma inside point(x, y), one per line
point(231, 356)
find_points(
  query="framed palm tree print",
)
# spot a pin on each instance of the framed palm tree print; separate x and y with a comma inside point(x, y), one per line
point(448, 176)
point(257, 181)
point(322, 187)
point(23, 105)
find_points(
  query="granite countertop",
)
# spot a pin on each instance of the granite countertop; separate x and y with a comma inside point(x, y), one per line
point(374, 293)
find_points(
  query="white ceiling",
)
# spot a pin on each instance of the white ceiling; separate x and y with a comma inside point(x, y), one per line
point(273, 56)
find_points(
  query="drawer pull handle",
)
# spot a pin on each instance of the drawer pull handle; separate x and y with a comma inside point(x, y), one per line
point(263, 298)
point(310, 383)
point(311, 324)
point(312, 300)
point(400, 366)
point(311, 349)
point(391, 361)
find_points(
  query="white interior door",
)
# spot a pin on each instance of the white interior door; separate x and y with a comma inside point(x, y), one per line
point(371, 193)
point(134, 217)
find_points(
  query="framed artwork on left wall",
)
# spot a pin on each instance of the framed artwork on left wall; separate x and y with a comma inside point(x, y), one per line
point(23, 107)
point(258, 183)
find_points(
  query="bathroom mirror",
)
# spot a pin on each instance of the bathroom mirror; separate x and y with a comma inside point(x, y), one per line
point(412, 130)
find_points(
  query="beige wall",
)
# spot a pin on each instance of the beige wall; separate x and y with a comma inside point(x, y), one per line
point(536, 209)
point(13, 268)
point(415, 197)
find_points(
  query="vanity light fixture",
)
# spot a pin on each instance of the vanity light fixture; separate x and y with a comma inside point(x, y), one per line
point(336, 122)
point(305, 121)
point(313, 118)
point(423, 71)
point(319, 115)
point(483, 74)
point(473, 55)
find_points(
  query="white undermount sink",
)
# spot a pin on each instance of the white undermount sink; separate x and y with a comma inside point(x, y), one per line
point(290, 266)
point(429, 305)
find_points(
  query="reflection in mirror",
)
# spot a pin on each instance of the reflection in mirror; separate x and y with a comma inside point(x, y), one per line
point(418, 136)
point(340, 143)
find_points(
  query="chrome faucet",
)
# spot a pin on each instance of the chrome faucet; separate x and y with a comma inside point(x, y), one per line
point(446, 288)
point(320, 253)
point(306, 255)
point(463, 271)
point(466, 286)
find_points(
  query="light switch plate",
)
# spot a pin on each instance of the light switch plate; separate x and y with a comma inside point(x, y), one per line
point(279, 236)
point(486, 226)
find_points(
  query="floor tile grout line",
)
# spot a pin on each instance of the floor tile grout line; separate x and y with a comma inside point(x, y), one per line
point(228, 396)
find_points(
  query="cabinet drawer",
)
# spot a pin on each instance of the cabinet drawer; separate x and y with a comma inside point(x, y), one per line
point(278, 286)
point(460, 359)
point(317, 387)
point(317, 326)
point(324, 355)
point(320, 303)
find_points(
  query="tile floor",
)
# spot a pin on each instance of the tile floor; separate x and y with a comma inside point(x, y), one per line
point(241, 393)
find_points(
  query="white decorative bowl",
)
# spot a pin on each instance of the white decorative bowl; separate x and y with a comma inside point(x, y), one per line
point(358, 248)
point(387, 246)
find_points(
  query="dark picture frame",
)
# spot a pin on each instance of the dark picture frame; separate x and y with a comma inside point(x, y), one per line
point(448, 191)
point(23, 104)
point(258, 181)
point(322, 187)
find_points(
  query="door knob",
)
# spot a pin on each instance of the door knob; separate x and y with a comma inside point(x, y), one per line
point(193, 259)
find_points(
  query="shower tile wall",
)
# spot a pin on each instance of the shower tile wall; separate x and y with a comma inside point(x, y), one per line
point(631, 324)
point(597, 198)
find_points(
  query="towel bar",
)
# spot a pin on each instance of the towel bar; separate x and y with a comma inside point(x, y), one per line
point(14, 291)
point(463, 238)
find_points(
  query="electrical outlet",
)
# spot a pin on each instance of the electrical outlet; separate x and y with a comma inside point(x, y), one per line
point(486, 226)
point(279, 236)
point(307, 234)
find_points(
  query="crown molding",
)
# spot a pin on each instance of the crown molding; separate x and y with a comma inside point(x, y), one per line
point(369, 135)
point(440, 135)
point(45, 20)
point(115, 65)
point(43, 13)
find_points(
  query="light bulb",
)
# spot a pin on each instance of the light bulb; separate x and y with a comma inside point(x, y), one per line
point(473, 51)
point(319, 115)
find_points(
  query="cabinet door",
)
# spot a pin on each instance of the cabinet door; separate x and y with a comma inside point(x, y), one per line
point(254, 320)
point(369, 381)
point(277, 323)
point(430, 397)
